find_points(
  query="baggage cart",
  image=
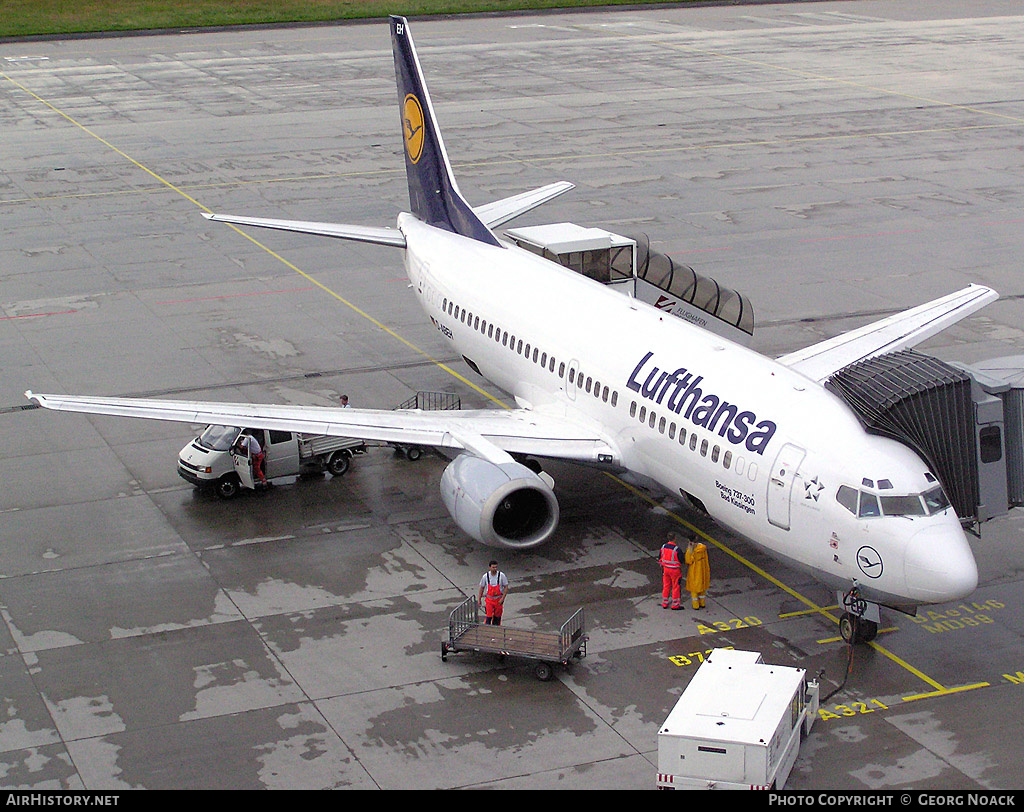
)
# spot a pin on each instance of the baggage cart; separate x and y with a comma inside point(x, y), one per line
point(467, 633)
point(425, 401)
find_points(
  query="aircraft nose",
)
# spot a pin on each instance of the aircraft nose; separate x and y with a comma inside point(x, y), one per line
point(940, 566)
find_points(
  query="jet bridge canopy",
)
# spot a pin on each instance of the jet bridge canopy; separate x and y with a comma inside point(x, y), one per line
point(925, 404)
point(628, 264)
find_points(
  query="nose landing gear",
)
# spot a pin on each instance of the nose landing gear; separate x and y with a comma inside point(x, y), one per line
point(859, 621)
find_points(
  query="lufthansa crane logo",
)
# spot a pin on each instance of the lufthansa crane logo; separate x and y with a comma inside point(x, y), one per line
point(412, 116)
point(869, 561)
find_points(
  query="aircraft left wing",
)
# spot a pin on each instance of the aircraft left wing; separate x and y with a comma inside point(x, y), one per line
point(516, 431)
point(898, 332)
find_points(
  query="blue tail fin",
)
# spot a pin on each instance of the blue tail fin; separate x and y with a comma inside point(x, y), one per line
point(433, 192)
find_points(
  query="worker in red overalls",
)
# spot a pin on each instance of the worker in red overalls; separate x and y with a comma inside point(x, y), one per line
point(495, 585)
point(671, 574)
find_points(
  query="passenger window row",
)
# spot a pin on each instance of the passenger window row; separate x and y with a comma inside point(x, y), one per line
point(521, 347)
point(664, 426)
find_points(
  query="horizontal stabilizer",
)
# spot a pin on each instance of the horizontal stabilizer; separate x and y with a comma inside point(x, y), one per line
point(379, 236)
point(898, 332)
point(501, 211)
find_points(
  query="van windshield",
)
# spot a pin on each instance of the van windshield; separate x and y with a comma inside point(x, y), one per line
point(218, 438)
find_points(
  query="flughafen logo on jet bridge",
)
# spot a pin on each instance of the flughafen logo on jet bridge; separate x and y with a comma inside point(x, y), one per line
point(412, 112)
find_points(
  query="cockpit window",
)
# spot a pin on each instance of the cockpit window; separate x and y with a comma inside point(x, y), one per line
point(868, 505)
point(935, 500)
point(847, 497)
point(909, 505)
point(864, 504)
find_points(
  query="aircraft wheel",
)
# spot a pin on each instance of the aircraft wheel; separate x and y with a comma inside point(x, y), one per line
point(228, 486)
point(338, 463)
point(849, 626)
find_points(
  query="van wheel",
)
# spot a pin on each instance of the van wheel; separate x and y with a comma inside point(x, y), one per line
point(413, 453)
point(228, 486)
point(338, 463)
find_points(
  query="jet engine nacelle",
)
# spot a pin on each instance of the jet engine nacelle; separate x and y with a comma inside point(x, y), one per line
point(501, 505)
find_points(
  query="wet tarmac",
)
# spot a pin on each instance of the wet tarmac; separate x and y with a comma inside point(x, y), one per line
point(832, 161)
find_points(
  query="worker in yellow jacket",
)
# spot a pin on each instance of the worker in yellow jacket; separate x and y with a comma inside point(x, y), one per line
point(698, 572)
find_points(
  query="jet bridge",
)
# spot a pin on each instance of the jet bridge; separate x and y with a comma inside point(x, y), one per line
point(966, 422)
point(627, 264)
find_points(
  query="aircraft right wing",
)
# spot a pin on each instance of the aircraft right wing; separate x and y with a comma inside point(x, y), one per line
point(516, 431)
point(897, 332)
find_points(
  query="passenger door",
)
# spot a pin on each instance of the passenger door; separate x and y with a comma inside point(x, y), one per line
point(780, 484)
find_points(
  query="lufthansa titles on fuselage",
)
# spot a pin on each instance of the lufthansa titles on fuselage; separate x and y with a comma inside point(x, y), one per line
point(686, 398)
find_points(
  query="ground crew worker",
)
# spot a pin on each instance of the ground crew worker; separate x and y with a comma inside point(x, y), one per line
point(698, 572)
point(671, 573)
point(495, 584)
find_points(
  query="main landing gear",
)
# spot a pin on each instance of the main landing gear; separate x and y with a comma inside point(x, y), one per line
point(859, 621)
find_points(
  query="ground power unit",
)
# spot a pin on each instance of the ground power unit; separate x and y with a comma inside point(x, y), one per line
point(738, 725)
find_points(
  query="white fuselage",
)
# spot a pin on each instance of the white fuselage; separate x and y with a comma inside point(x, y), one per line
point(762, 447)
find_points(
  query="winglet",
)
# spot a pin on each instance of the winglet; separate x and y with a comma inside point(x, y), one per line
point(433, 193)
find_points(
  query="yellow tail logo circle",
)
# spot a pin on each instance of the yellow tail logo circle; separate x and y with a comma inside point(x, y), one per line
point(412, 115)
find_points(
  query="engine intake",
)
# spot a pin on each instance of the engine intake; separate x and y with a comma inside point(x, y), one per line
point(501, 505)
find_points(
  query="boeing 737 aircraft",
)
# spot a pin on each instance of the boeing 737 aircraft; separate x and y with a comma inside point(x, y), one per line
point(759, 443)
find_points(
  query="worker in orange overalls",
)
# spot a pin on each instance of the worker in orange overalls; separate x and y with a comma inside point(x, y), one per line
point(671, 573)
point(495, 584)
point(698, 572)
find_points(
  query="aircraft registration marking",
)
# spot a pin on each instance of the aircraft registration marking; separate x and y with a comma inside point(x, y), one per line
point(443, 329)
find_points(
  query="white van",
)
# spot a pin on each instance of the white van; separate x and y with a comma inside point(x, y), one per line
point(211, 460)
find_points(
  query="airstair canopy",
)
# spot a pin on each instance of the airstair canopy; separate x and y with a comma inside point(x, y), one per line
point(629, 265)
point(683, 282)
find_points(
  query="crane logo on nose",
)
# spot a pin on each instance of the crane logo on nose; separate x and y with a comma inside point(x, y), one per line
point(869, 561)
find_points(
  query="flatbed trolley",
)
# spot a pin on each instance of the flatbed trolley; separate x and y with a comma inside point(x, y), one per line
point(425, 401)
point(467, 633)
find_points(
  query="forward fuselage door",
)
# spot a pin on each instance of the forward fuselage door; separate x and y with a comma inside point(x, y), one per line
point(780, 484)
